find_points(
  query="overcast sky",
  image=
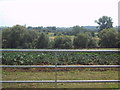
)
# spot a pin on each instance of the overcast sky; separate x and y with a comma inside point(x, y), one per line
point(60, 13)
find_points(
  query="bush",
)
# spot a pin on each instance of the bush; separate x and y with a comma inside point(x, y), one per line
point(108, 38)
point(84, 40)
point(63, 42)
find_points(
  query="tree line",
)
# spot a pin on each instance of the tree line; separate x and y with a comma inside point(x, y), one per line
point(78, 37)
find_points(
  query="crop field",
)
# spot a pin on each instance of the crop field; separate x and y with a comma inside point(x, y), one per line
point(62, 58)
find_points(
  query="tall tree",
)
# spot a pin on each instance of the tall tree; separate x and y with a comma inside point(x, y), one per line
point(104, 22)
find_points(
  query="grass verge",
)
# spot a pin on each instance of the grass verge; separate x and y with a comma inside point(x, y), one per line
point(85, 74)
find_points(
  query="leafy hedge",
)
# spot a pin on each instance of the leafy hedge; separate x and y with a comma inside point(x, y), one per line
point(64, 58)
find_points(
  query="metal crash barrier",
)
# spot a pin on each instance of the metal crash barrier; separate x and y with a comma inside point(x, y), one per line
point(59, 66)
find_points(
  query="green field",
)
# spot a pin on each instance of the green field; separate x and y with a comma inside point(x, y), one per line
point(83, 74)
point(62, 58)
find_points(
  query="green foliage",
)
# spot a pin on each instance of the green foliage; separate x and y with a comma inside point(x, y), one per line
point(42, 41)
point(77, 29)
point(93, 43)
point(63, 42)
point(104, 22)
point(62, 58)
point(29, 39)
point(108, 38)
point(5, 38)
point(15, 36)
point(84, 40)
point(18, 37)
point(118, 40)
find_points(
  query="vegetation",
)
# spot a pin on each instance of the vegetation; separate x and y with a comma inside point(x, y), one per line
point(84, 40)
point(52, 37)
point(108, 38)
point(104, 22)
point(63, 42)
point(77, 29)
point(82, 74)
point(18, 37)
point(62, 58)
point(42, 41)
point(76, 37)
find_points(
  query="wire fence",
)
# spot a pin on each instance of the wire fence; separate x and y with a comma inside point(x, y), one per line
point(59, 66)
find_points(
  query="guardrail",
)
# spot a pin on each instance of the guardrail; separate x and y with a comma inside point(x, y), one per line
point(57, 50)
point(59, 66)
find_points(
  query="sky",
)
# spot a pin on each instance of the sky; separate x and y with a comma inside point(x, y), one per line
point(60, 13)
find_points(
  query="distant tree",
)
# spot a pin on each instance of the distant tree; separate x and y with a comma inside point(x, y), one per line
point(18, 37)
point(104, 22)
point(54, 28)
point(50, 29)
point(12, 36)
point(6, 38)
point(29, 28)
point(77, 29)
point(118, 40)
point(108, 38)
point(118, 28)
point(42, 41)
point(63, 42)
point(84, 40)
point(28, 39)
